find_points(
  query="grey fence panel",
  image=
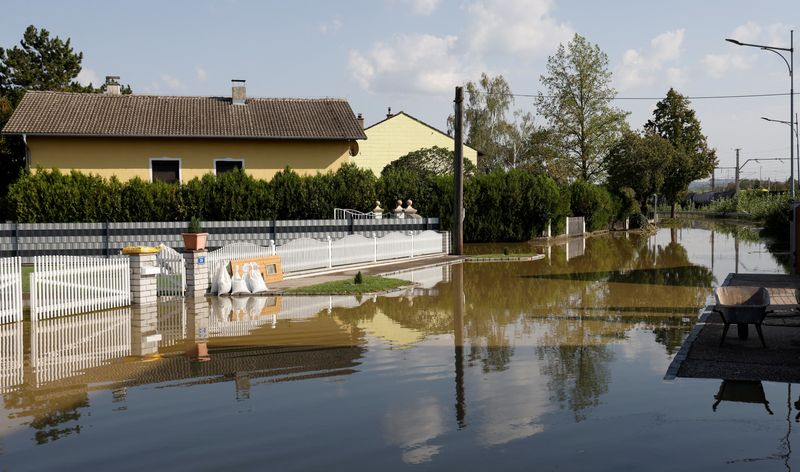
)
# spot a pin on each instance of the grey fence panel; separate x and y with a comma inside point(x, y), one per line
point(107, 239)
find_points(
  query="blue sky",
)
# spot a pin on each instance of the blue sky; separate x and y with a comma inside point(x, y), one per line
point(409, 54)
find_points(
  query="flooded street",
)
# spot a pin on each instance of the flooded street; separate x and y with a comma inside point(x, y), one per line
point(556, 364)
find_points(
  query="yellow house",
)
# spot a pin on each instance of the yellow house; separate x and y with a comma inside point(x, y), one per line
point(179, 138)
point(396, 136)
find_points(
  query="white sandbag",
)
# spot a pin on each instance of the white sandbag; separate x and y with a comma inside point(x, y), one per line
point(222, 281)
point(238, 285)
point(255, 282)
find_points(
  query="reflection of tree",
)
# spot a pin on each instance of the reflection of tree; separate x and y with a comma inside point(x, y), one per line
point(51, 413)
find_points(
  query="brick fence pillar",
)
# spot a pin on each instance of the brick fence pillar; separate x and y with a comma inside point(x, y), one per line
point(196, 273)
point(143, 279)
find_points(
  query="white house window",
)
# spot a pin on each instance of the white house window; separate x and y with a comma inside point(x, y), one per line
point(165, 170)
point(226, 165)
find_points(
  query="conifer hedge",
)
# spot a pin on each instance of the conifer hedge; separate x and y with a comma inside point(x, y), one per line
point(499, 206)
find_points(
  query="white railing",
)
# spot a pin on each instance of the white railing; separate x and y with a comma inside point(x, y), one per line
point(224, 255)
point(395, 246)
point(10, 289)
point(171, 281)
point(347, 214)
point(352, 249)
point(304, 254)
point(11, 356)
point(66, 285)
point(65, 347)
point(428, 242)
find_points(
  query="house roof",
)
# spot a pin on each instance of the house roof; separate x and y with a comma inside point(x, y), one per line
point(103, 115)
point(420, 122)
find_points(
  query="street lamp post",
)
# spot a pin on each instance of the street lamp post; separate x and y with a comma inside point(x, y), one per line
point(794, 126)
point(790, 65)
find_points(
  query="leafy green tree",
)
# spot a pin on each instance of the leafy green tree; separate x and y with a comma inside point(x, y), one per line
point(39, 62)
point(576, 104)
point(675, 121)
point(433, 160)
point(639, 162)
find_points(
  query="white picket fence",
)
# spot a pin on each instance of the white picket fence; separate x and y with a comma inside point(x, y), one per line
point(575, 226)
point(10, 289)
point(171, 282)
point(66, 285)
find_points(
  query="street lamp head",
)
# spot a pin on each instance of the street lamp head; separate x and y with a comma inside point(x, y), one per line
point(734, 41)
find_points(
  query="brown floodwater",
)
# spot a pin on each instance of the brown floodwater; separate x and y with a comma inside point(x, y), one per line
point(556, 364)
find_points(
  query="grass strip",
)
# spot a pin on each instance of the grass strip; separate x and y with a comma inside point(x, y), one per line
point(371, 284)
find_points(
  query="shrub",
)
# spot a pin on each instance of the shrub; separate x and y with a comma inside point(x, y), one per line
point(358, 279)
point(593, 203)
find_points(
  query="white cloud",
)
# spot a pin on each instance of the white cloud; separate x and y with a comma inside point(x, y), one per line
point(422, 7)
point(429, 63)
point(200, 73)
point(410, 63)
point(717, 65)
point(88, 76)
point(517, 26)
point(641, 67)
point(331, 27)
point(170, 82)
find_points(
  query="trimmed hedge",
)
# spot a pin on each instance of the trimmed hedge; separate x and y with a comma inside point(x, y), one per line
point(499, 206)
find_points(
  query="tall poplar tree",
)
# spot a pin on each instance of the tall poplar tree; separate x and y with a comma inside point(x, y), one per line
point(674, 120)
point(577, 105)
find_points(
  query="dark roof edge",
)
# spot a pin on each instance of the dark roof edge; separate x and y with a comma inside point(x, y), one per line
point(401, 112)
point(172, 136)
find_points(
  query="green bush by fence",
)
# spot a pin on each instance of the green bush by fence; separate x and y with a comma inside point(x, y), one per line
point(499, 206)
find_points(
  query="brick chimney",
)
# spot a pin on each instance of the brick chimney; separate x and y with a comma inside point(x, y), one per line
point(238, 92)
point(360, 120)
point(112, 85)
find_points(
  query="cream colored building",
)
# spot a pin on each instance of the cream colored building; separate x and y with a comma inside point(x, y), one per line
point(179, 138)
point(396, 136)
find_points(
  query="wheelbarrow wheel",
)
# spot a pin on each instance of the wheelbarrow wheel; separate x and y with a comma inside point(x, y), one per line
point(743, 331)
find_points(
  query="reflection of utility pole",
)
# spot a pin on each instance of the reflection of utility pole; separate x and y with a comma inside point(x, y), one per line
point(712, 251)
point(458, 332)
point(736, 250)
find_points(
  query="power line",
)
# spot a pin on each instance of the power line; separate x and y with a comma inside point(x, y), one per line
point(696, 97)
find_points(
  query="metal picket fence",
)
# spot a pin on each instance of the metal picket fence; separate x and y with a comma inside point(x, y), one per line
point(67, 285)
point(171, 282)
point(224, 255)
point(575, 226)
point(10, 289)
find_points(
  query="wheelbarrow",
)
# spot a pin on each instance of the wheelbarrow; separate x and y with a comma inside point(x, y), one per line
point(743, 306)
point(742, 391)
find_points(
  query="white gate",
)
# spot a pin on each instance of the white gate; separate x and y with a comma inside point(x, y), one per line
point(66, 285)
point(171, 281)
point(10, 289)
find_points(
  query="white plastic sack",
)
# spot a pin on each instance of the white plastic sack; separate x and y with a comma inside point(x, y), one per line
point(238, 285)
point(221, 282)
point(255, 282)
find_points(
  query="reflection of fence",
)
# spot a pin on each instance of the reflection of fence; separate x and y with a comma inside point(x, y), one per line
point(575, 226)
point(64, 347)
point(171, 321)
point(11, 356)
point(65, 285)
point(575, 247)
point(171, 281)
point(10, 289)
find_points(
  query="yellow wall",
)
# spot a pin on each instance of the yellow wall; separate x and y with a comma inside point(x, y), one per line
point(130, 157)
point(398, 136)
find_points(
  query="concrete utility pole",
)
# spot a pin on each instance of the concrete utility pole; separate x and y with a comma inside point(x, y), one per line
point(458, 177)
point(713, 173)
point(737, 169)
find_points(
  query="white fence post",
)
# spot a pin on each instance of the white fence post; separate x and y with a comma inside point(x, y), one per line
point(272, 247)
point(412, 244)
point(374, 247)
point(330, 252)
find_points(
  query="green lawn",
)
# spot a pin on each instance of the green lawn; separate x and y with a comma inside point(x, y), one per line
point(371, 283)
point(26, 278)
